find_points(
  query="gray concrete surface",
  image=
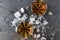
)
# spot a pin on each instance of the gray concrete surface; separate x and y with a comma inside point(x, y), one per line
point(8, 7)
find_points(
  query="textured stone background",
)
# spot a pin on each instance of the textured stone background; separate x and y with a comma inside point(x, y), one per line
point(8, 7)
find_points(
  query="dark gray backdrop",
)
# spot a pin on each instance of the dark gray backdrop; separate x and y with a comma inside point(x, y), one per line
point(8, 7)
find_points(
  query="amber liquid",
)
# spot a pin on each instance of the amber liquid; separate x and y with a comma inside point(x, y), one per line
point(38, 7)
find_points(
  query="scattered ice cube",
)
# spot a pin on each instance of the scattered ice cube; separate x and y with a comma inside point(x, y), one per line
point(43, 27)
point(16, 29)
point(53, 34)
point(17, 14)
point(43, 38)
point(38, 29)
point(32, 19)
point(13, 22)
point(38, 26)
point(37, 22)
point(38, 35)
point(33, 16)
point(31, 22)
point(50, 13)
point(52, 38)
point(43, 34)
point(40, 18)
point(19, 19)
point(27, 7)
point(24, 17)
point(22, 10)
point(34, 35)
point(44, 22)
